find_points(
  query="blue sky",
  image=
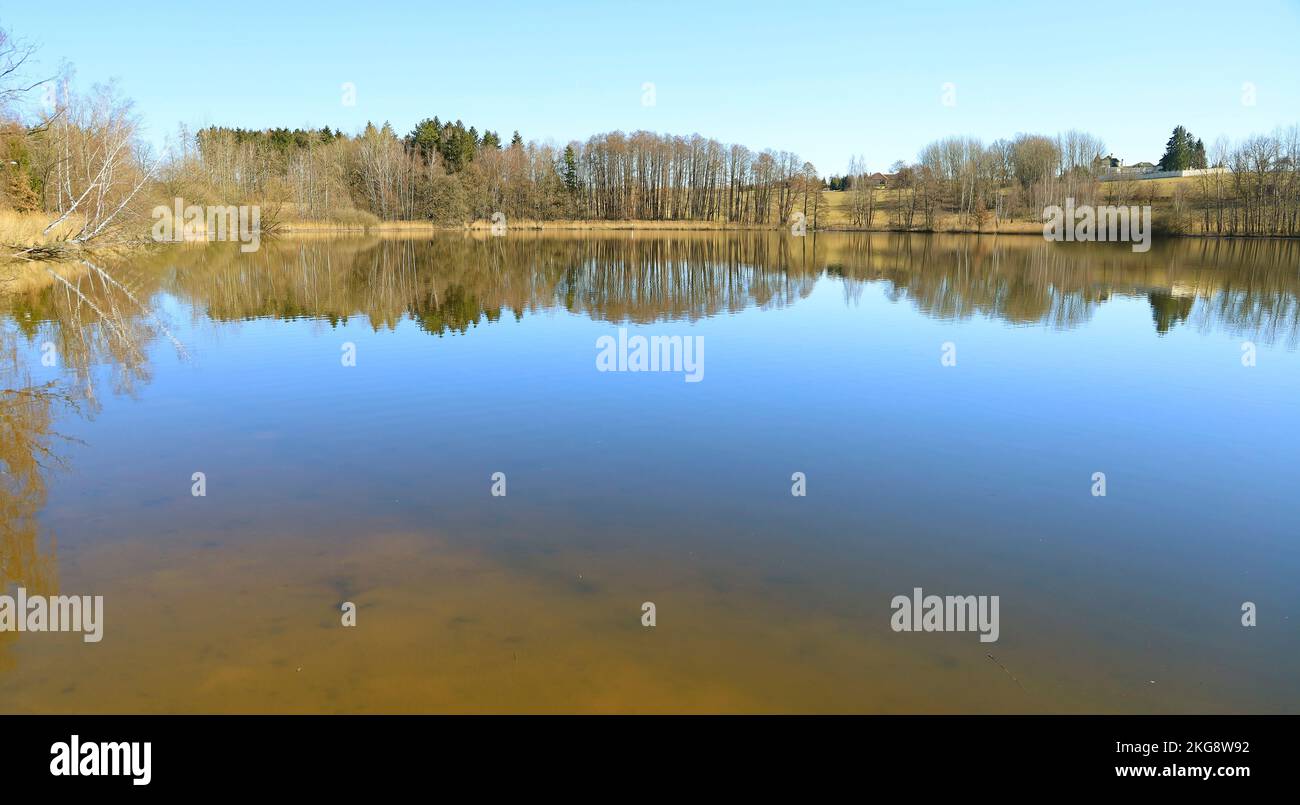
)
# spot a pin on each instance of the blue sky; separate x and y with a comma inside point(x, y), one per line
point(825, 80)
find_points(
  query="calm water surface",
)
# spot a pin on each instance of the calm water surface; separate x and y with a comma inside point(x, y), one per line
point(371, 483)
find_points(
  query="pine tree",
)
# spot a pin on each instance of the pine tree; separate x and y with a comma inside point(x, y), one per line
point(516, 141)
point(1198, 156)
point(570, 169)
point(426, 137)
point(1180, 151)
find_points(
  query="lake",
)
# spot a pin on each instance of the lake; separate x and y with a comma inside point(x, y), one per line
point(446, 432)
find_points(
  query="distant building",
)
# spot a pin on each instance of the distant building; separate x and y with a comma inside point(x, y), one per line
point(1110, 172)
point(1111, 167)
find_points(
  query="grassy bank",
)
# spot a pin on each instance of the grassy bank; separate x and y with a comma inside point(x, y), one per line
point(23, 235)
point(1173, 202)
point(28, 253)
point(26, 248)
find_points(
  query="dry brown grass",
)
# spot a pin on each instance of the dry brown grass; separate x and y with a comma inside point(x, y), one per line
point(25, 229)
point(1153, 190)
point(23, 241)
point(1159, 193)
point(27, 254)
point(287, 219)
point(835, 215)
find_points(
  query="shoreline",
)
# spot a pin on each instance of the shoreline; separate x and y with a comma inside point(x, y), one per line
point(389, 227)
point(16, 270)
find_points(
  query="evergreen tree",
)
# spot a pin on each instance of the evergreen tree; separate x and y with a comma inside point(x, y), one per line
point(426, 137)
point(569, 169)
point(454, 143)
point(516, 141)
point(458, 146)
point(1180, 151)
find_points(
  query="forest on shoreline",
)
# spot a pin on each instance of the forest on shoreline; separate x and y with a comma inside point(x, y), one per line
point(75, 170)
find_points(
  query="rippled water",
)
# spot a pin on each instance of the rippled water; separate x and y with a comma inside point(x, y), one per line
point(372, 483)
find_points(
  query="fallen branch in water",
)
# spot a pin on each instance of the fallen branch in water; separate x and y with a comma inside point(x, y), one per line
point(43, 251)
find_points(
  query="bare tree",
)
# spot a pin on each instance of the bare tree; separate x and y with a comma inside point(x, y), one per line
point(94, 162)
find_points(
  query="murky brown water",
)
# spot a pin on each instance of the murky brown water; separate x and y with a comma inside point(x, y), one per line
point(372, 483)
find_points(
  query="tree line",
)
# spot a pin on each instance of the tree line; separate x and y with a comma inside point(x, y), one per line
point(81, 160)
point(974, 183)
point(1252, 187)
point(1258, 194)
point(448, 173)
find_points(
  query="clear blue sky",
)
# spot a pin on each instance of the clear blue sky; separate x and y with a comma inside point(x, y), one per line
point(825, 82)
